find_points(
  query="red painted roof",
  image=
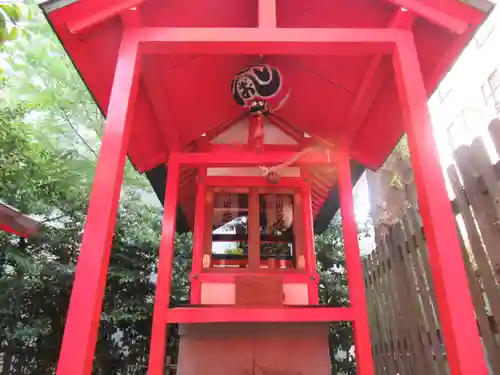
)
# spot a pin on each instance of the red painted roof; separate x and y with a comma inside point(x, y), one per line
point(13, 221)
point(188, 95)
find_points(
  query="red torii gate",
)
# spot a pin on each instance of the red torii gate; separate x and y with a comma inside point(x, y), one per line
point(392, 53)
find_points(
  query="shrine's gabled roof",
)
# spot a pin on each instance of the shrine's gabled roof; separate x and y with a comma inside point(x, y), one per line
point(15, 222)
point(184, 96)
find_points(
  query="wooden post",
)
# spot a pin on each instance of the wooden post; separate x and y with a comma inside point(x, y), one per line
point(308, 236)
point(298, 231)
point(253, 230)
point(463, 344)
point(364, 359)
point(209, 210)
point(165, 263)
point(199, 236)
point(80, 334)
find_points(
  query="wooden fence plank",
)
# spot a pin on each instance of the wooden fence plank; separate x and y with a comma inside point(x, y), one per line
point(427, 292)
point(492, 350)
point(393, 358)
point(487, 173)
point(407, 301)
point(484, 271)
point(494, 130)
point(482, 208)
point(385, 339)
point(388, 363)
point(419, 307)
point(373, 315)
point(480, 256)
point(370, 309)
point(393, 307)
point(399, 302)
point(429, 336)
point(403, 312)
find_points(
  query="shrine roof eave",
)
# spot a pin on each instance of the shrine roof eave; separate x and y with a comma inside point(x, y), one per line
point(15, 222)
point(338, 78)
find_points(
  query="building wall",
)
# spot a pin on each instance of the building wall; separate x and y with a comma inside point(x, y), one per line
point(459, 109)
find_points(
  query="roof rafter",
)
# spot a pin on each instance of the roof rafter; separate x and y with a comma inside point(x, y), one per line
point(267, 13)
point(157, 96)
point(91, 14)
point(210, 135)
point(156, 91)
point(372, 83)
point(319, 140)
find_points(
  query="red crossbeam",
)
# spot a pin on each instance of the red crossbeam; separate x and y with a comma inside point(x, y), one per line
point(211, 314)
point(246, 181)
point(247, 158)
point(229, 275)
point(297, 41)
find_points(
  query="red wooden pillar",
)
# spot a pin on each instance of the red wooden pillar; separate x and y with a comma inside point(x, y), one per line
point(253, 230)
point(199, 236)
point(309, 250)
point(165, 263)
point(461, 336)
point(82, 323)
point(355, 278)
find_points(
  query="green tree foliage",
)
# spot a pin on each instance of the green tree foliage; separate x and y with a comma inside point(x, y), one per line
point(37, 280)
point(10, 15)
point(50, 132)
point(37, 276)
point(333, 292)
point(35, 178)
point(61, 112)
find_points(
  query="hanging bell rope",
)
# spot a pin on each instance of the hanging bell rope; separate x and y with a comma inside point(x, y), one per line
point(281, 103)
point(272, 174)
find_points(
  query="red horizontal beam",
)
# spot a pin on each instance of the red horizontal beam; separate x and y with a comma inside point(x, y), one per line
point(240, 158)
point(243, 262)
point(210, 147)
point(327, 41)
point(227, 275)
point(231, 181)
point(440, 13)
point(253, 315)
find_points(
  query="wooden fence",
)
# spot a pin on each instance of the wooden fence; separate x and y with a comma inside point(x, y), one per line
point(405, 326)
point(169, 369)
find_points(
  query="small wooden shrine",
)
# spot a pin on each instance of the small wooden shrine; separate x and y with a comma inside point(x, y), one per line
point(249, 118)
